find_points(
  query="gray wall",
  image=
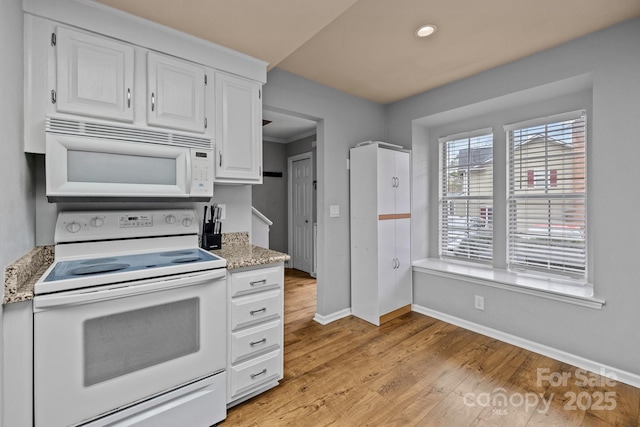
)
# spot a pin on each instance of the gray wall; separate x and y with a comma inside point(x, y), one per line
point(270, 198)
point(343, 121)
point(17, 223)
point(605, 67)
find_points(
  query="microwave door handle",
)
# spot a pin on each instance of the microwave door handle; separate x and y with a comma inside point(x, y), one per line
point(51, 301)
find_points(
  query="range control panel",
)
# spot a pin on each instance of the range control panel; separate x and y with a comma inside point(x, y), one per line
point(130, 221)
point(106, 225)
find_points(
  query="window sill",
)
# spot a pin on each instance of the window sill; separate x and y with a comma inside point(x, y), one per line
point(572, 294)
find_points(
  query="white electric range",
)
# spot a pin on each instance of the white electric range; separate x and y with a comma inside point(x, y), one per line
point(129, 323)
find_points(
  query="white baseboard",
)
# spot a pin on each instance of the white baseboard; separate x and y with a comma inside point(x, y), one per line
point(323, 320)
point(572, 359)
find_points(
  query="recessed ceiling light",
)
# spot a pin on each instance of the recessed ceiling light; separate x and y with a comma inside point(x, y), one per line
point(425, 30)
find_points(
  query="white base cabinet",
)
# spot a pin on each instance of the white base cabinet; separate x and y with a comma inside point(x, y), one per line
point(381, 286)
point(255, 359)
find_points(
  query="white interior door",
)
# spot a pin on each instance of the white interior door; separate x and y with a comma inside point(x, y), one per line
point(302, 181)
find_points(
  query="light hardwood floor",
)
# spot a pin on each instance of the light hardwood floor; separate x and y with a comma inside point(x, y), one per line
point(419, 371)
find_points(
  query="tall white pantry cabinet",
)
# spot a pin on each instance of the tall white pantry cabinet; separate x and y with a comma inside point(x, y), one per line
point(380, 188)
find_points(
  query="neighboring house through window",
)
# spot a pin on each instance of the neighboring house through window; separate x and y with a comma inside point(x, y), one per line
point(466, 196)
point(547, 195)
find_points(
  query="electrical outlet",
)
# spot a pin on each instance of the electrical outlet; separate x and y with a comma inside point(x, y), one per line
point(223, 211)
point(479, 302)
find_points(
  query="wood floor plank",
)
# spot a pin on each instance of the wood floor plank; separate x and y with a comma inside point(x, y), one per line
point(609, 402)
point(411, 371)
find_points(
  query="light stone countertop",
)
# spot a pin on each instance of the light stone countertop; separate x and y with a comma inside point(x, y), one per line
point(21, 276)
point(239, 253)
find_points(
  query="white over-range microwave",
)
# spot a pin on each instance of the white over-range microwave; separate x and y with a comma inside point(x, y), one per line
point(97, 160)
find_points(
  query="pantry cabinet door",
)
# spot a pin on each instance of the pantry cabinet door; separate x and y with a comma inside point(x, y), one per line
point(94, 76)
point(403, 182)
point(386, 182)
point(402, 293)
point(238, 130)
point(175, 93)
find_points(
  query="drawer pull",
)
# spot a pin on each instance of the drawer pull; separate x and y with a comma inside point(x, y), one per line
point(254, 312)
point(262, 341)
point(258, 282)
point(264, 371)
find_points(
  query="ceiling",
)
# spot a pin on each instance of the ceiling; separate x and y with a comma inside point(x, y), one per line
point(367, 48)
point(283, 128)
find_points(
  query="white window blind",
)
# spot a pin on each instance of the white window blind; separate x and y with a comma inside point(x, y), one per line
point(466, 196)
point(547, 195)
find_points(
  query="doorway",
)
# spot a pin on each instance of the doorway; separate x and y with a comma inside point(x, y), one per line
point(300, 200)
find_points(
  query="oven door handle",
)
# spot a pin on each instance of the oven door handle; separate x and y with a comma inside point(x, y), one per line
point(44, 302)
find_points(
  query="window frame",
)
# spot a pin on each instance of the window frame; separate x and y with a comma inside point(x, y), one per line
point(446, 202)
point(551, 181)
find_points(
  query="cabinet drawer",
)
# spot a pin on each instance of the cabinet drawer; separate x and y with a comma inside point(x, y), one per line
point(255, 340)
point(251, 309)
point(256, 280)
point(256, 372)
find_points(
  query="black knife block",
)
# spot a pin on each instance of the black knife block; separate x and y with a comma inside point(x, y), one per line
point(211, 240)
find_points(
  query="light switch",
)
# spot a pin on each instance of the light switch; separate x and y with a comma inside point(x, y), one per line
point(334, 211)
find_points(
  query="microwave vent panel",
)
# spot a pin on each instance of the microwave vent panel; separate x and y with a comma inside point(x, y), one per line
point(124, 133)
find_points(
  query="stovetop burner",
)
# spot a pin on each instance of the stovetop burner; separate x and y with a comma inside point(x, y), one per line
point(184, 260)
point(70, 269)
point(176, 253)
point(99, 260)
point(98, 268)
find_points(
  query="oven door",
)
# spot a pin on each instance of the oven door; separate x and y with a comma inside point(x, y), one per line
point(80, 166)
point(99, 351)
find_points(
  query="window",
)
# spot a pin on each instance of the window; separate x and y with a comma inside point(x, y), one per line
point(466, 196)
point(547, 195)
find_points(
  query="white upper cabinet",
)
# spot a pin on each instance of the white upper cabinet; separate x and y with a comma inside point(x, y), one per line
point(403, 182)
point(394, 195)
point(176, 93)
point(238, 130)
point(115, 68)
point(95, 76)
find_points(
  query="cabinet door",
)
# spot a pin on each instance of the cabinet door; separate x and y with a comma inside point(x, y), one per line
point(386, 182)
point(175, 93)
point(94, 76)
point(386, 267)
point(403, 182)
point(238, 130)
point(403, 292)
